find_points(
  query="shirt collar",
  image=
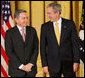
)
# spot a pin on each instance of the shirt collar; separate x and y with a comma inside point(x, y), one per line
point(20, 28)
point(59, 21)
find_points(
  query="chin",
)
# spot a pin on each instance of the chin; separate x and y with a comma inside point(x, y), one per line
point(51, 20)
point(25, 25)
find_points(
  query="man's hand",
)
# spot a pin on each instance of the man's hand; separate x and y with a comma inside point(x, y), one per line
point(46, 69)
point(75, 67)
point(27, 67)
point(23, 68)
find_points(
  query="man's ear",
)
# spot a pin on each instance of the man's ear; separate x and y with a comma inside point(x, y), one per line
point(58, 13)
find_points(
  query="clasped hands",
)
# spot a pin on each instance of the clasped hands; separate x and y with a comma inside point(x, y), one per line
point(27, 67)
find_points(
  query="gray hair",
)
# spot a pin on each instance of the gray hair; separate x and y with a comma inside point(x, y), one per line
point(56, 7)
point(17, 13)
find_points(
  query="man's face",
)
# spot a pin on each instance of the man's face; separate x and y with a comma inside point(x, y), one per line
point(51, 14)
point(22, 20)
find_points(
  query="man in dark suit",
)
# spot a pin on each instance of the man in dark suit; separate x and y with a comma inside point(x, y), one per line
point(59, 44)
point(21, 44)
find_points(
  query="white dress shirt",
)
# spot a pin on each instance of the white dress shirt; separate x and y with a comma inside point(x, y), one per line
point(59, 24)
point(20, 30)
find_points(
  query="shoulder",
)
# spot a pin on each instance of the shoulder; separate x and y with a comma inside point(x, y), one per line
point(10, 32)
point(31, 28)
point(69, 23)
point(11, 29)
point(46, 25)
point(67, 20)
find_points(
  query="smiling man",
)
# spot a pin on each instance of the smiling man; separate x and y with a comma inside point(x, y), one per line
point(59, 44)
point(21, 44)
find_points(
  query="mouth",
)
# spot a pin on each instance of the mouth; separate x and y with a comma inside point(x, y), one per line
point(51, 19)
point(25, 23)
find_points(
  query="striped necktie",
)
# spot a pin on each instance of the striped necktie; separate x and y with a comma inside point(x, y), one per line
point(23, 34)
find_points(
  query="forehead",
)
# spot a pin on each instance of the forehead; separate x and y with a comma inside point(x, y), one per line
point(23, 14)
point(50, 9)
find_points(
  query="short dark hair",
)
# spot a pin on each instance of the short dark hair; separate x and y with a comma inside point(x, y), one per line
point(56, 7)
point(16, 14)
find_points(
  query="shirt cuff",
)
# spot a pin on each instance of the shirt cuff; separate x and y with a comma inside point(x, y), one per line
point(20, 67)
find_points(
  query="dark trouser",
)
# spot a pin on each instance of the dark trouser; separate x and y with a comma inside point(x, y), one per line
point(66, 69)
point(26, 75)
point(29, 75)
point(66, 74)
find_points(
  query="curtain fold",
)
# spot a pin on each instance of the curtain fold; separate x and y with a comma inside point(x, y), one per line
point(37, 15)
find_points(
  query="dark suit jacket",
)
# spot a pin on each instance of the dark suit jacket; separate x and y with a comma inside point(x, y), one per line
point(55, 56)
point(20, 52)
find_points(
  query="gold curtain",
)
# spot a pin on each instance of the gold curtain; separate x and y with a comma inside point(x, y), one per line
point(37, 14)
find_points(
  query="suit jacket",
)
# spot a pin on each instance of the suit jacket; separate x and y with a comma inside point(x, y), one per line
point(55, 56)
point(20, 52)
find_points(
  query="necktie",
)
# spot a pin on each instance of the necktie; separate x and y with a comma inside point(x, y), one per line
point(23, 34)
point(57, 33)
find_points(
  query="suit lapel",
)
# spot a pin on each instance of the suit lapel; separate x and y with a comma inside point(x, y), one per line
point(27, 34)
point(18, 34)
point(63, 28)
point(20, 37)
point(52, 31)
point(51, 28)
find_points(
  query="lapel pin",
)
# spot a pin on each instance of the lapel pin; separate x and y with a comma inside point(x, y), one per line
point(65, 27)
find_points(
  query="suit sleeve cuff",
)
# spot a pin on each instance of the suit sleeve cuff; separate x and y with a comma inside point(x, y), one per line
point(20, 67)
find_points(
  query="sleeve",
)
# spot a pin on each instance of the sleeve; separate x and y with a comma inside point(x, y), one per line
point(10, 51)
point(35, 49)
point(75, 44)
point(43, 47)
